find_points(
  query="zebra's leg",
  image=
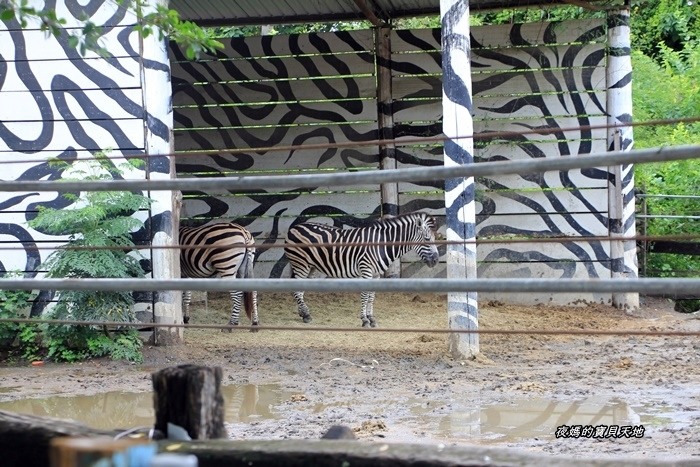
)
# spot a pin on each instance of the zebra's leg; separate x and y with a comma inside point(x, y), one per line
point(302, 307)
point(256, 321)
point(236, 301)
point(186, 299)
point(250, 304)
point(364, 315)
point(370, 309)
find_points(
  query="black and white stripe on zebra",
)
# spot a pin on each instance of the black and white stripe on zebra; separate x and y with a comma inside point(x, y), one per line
point(361, 260)
point(230, 253)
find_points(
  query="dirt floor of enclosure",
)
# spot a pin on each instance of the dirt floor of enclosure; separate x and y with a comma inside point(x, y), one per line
point(405, 387)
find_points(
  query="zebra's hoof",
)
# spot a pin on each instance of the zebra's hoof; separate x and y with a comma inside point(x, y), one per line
point(365, 324)
point(306, 319)
point(253, 329)
point(186, 319)
point(229, 328)
point(373, 324)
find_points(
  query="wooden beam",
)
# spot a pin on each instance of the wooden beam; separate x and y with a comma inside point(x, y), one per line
point(675, 248)
point(369, 13)
point(24, 441)
point(385, 120)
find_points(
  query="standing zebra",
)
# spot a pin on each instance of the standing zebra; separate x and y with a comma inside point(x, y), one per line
point(230, 253)
point(363, 261)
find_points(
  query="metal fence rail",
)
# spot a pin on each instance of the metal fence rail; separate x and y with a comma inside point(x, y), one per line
point(380, 176)
point(647, 286)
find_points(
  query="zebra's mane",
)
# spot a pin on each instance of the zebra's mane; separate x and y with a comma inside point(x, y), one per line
point(378, 222)
point(398, 219)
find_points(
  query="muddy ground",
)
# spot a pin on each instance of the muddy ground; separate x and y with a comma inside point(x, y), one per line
point(405, 387)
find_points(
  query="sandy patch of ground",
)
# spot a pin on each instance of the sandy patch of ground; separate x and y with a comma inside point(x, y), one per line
point(405, 387)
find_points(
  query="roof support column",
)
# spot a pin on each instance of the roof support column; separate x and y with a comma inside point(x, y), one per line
point(623, 253)
point(165, 208)
point(387, 152)
point(460, 209)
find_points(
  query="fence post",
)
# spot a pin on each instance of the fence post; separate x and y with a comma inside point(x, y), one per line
point(460, 206)
point(189, 396)
point(387, 152)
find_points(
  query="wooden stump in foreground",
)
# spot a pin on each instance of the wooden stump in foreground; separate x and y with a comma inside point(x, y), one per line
point(189, 396)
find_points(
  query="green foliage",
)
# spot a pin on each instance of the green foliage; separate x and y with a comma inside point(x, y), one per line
point(687, 306)
point(98, 219)
point(652, 99)
point(423, 22)
point(162, 21)
point(671, 178)
point(126, 345)
point(13, 304)
point(531, 15)
point(297, 28)
point(30, 341)
point(665, 85)
point(71, 343)
point(167, 23)
point(658, 24)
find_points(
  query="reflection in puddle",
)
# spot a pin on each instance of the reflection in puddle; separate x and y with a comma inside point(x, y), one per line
point(117, 410)
point(531, 418)
point(655, 415)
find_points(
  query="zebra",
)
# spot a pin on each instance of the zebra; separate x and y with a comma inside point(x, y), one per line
point(232, 256)
point(363, 261)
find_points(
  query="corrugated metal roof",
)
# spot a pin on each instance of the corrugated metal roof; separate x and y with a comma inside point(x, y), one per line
point(241, 12)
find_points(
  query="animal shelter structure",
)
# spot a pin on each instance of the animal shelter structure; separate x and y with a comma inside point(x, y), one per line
point(307, 103)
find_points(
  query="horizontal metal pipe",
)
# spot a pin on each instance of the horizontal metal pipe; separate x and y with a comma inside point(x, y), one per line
point(327, 329)
point(648, 216)
point(646, 195)
point(645, 286)
point(224, 184)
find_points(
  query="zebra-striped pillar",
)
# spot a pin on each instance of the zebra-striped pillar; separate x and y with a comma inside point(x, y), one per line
point(621, 185)
point(462, 310)
point(157, 99)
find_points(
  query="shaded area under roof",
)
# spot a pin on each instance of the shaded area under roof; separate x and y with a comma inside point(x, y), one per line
point(245, 12)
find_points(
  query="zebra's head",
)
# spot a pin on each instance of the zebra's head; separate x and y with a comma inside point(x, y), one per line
point(426, 227)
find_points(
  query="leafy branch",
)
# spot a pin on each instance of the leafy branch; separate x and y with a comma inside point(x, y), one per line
point(161, 20)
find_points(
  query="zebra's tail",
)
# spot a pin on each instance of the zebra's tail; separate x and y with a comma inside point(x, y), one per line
point(248, 304)
point(246, 271)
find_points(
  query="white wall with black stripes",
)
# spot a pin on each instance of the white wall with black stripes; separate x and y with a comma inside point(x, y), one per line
point(258, 94)
point(57, 103)
point(545, 82)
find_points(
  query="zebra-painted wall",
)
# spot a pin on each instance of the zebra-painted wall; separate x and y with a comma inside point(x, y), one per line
point(266, 92)
point(263, 93)
point(56, 103)
point(272, 91)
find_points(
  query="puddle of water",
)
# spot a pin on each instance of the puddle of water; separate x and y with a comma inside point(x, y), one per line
point(653, 415)
point(117, 410)
point(527, 418)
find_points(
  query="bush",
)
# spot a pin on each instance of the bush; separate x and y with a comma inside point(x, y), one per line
point(97, 219)
point(13, 304)
point(653, 80)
